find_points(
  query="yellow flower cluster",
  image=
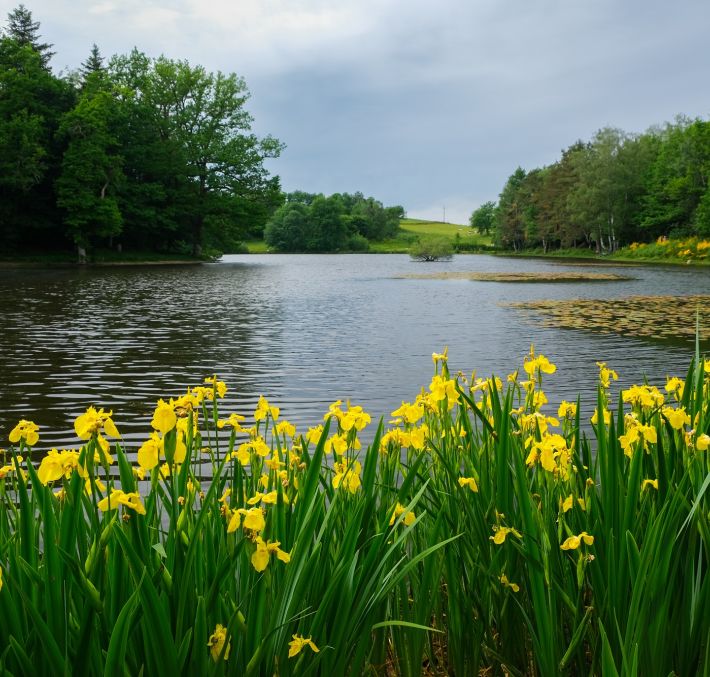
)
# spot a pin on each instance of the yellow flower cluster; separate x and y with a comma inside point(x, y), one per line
point(266, 460)
point(636, 432)
point(643, 397)
point(552, 452)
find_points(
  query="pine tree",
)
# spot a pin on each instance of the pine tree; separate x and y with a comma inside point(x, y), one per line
point(93, 64)
point(21, 28)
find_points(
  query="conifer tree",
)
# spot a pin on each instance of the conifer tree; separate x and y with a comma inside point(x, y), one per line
point(21, 28)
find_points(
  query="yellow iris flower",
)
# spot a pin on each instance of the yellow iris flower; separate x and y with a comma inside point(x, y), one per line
point(164, 417)
point(118, 497)
point(264, 550)
point(216, 643)
point(409, 516)
point(299, 642)
point(25, 430)
point(469, 482)
point(57, 464)
point(501, 534)
point(573, 542)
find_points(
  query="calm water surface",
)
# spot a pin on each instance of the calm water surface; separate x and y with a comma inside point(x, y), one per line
point(302, 330)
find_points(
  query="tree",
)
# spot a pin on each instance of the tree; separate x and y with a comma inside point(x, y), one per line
point(94, 63)
point(32, 102)
point(91, 167)
point(343, 221)
point(558, 226)
point(509, 222)
point(483, 218)
point(194, 146)
point(599, 196)
point(327, 230)
point(92, 71)
point(286, 230)
point(431, 249)
point(678, 179)
point(25, 32)
point(371, 220)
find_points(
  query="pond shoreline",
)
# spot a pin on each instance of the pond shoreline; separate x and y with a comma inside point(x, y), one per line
point(592, 260)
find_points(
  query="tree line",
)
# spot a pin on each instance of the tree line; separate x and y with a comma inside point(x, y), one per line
point(309, 222)
point(131, 152)
point(616, 189)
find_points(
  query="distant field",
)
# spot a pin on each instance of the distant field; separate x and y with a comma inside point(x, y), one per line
point(412, 229)
point(409, 231)
point(421, 227)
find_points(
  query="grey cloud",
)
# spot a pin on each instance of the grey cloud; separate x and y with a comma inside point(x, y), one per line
point(421, 103)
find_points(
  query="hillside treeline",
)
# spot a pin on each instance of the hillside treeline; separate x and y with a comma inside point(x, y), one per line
point(341, 222)
point(130, 152)
point(616, 189)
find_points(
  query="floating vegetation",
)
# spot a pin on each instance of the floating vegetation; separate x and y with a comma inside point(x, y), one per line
point(566, 276)
point(657, 317)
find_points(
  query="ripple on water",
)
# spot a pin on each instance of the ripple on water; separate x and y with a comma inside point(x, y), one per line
point(303, 330)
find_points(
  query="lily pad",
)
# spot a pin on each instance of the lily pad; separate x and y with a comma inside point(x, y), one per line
point(656, 317)
point(567, 276)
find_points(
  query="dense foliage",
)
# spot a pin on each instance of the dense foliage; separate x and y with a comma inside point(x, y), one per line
point(477, 534)
point(614, 190)
point(341, 222)
point(136, 153)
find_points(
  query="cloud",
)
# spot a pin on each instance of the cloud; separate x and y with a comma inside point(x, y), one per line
point(415, 102)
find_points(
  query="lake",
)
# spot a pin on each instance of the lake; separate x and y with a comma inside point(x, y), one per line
point(304, 330)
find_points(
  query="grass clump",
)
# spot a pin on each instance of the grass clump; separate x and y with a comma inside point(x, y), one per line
point(477, 532)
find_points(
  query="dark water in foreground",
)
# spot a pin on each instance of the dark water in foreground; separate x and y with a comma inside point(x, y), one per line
point(302, 330)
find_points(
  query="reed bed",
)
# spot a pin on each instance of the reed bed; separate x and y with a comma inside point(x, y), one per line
point(476, 534)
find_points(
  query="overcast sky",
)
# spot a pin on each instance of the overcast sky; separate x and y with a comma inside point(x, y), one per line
point(424, 103)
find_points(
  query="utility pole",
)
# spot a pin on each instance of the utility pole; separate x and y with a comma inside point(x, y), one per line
point(444, 213)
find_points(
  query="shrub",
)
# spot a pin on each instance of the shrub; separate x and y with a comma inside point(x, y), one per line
point(432, 249)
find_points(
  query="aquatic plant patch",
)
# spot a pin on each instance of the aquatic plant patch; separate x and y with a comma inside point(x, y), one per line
point(517, 277)
point(654, 317)
point(481, 532)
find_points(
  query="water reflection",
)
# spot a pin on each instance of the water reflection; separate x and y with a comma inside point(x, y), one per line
point(304, 330)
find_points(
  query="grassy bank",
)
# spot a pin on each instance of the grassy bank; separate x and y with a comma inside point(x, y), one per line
point(690, 251)
point(479, 533)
